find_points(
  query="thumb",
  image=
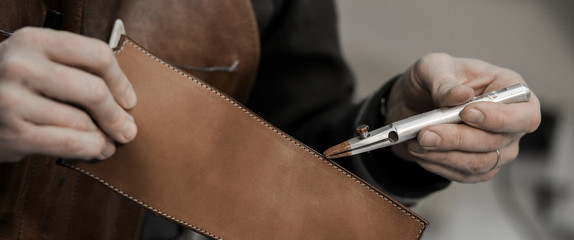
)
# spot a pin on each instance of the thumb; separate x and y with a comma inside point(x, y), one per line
point(449, 92)
point(438, 73)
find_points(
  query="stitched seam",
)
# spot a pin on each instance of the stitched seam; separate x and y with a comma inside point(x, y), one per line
point(284, 136)
point(140, 202)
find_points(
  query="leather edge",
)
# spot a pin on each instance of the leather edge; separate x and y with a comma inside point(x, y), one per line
point(126, 40)
point(424, 223)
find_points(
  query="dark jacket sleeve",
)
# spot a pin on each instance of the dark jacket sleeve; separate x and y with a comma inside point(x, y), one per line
point(305, 88)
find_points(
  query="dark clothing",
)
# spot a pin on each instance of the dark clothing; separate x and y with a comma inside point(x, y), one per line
point(305, 88)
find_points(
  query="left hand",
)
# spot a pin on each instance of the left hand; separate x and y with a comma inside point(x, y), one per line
point(465, 152)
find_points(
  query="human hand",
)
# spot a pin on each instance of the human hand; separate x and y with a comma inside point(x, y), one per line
point(465, 152)
point(61, 94)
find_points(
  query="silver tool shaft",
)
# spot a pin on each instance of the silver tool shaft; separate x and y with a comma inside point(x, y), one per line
point(409, 128)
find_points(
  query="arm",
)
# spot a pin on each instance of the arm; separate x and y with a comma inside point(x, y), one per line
point(305, 88)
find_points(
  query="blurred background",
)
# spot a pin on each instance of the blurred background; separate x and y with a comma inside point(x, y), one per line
point(532, 198)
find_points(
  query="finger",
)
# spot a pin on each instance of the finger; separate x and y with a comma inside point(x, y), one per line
point(90, 92)
point(439, 74)
point(467, 162)
point(461, 137)
point(497, 79)
point(455, 174)
point(44, 111)
point(497, 117)
point(87, 53)
point(99, 60)
point(66, 143)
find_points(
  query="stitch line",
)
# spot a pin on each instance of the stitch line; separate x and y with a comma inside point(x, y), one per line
point(244, 110)
point(140, 202)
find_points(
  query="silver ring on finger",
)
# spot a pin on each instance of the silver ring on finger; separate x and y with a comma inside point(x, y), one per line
point(497, 160)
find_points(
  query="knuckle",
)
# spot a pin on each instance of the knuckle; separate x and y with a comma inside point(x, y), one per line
point(13, 68)
point(443, 157)
point(81, 122)
point(8, 136)
point(68, 144)
point(103, 55)
point(14, 135)
point(98, 92)
point(9, 101)
point(509, 75)
point(439, 56)
point(29, 36)
point(477, 165)
point(458, 139)
point(114, 120)
point(93, 151)
point(500, 121)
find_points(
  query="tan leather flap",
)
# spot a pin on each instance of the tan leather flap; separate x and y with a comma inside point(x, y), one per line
point(208, 163)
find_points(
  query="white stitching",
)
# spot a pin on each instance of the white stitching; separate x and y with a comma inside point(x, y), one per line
point(261, 122)
point(273, 129)
point(140, 202)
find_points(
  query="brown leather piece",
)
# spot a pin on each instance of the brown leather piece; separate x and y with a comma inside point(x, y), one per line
point(208, 163)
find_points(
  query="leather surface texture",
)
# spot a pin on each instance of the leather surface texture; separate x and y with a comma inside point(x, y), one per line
point(206, 162)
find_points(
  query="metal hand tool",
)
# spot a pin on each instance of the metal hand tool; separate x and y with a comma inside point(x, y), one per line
point(409, 128)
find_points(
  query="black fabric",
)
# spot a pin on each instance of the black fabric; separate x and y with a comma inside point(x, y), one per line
point(306, 89)
point(303, 86)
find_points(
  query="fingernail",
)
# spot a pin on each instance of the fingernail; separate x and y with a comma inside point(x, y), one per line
point(416, 148)
point(108, 151)
point(430, 139)
point(131, 98)
point(473, 115)
point(451, 88)
point(129, 130)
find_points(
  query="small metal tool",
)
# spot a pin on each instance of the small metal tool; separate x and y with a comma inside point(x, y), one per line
point(409, 128)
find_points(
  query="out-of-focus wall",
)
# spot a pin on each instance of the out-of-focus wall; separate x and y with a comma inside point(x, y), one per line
point(381, 38)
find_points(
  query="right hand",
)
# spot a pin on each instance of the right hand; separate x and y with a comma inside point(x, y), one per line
point(61, 94)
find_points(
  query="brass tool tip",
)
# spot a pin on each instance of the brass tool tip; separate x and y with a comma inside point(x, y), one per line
point(338, 151)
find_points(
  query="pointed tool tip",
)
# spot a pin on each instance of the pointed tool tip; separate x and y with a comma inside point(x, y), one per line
point(338, 151)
